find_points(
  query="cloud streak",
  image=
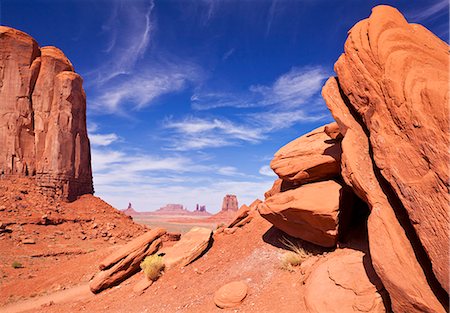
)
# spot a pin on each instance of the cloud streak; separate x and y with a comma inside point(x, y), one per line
point(439, 8)
point(292, 98)
point(141, 89)
point(291, 89)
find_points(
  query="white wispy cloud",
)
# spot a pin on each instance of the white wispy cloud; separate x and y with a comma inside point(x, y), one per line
point(150, 181)
point(142, 88)
point(227, 54)
point(152, 196)
point(129, 27)
point(267, 171)
point(194, 133)
point(291, 89)
point(438, 8)
point(103, 139)
point(292, 98)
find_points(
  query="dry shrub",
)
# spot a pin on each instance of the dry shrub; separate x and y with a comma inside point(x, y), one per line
point(153, 266)
point(295, 257)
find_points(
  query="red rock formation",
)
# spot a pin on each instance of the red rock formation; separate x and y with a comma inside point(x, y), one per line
point(312, 157)
point(230, 203)
point(125, 262)
point(231, 295)
point(130, 211)
point(395, 76)
point(342, 277)
point(309, 212)
point(392, 254)
point(43, 108)
point(390, 101)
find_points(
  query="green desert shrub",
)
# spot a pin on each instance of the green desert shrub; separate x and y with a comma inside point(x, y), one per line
point(153, 266)
point(16, 264)
point(295, 257)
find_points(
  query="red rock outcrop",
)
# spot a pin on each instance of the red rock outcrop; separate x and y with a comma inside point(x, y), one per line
point(392, 254)
point(43, 107)
point(125, 261)
point(230, 203)
point(309, 212)
point(342, 277)
point(395, 76)
point(390, 101)
point(312, 157)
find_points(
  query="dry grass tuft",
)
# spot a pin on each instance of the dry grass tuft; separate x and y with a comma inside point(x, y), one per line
point(153, 266)
point(295, 257)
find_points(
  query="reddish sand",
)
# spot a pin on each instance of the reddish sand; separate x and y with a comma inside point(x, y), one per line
point(57, 270)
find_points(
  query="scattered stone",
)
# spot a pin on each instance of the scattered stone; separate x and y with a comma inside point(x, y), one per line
point(231, 295)
point(28, 241)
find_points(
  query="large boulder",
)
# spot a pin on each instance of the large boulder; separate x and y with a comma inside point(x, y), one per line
point(312, 157)
point(43, 126)
point(339, 283)
point(392, 254)
point(126, 261)
point(395, 77)
point(309, 212)
point(190, 247)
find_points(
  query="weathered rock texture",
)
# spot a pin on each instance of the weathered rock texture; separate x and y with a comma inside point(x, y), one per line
point(312, 157)
point(43, 117)
point(392, 254)
point(309, 212)
point(390, 102)
point(190, 247)
point(339, 283)
point(230, 203)
point(395, 76)
point(125, 262)
point(230, 295)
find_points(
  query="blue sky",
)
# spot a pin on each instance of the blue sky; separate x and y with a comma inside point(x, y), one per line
point(189, 100)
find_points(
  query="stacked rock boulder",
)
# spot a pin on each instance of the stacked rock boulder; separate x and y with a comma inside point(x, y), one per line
point(309, 208)
point(43, 126)
point(390, 146)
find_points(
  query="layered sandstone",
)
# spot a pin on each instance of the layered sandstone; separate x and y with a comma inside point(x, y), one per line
point(125, 262)
point(312, 157)
point(395, 77)
point(390, 102)
point(309, 212)
point(339, 283)
point(43, 126)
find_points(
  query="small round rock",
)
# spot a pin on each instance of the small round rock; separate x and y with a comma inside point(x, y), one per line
point(231, 295)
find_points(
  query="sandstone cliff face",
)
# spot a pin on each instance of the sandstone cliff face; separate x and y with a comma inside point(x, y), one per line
point(43, 117)
point(390, 102)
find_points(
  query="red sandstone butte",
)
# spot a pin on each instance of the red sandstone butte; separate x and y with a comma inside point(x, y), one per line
point(43, 126)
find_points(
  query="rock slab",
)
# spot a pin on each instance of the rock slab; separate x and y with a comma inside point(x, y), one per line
point(309, 212)
point(188, 248)
point(126, 261)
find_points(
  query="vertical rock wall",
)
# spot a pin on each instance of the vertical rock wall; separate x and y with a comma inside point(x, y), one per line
point(43, 117)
